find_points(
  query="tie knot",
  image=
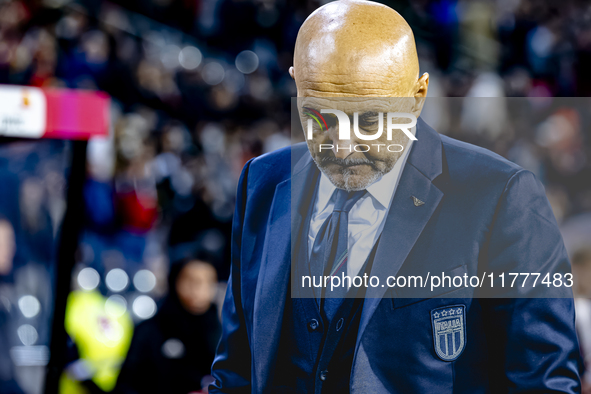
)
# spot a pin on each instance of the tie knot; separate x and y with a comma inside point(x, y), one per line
point(345, 200)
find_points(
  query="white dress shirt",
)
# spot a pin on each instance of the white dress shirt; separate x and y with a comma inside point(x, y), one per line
point(366, 218)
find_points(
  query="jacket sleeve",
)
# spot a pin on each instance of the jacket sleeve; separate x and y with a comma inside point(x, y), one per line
point(231, 367)
point(531, 336)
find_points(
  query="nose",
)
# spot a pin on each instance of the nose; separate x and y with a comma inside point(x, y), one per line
point(342, 149)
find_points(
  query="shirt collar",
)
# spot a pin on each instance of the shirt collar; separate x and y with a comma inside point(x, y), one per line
point(383, 189)
point(325, 191)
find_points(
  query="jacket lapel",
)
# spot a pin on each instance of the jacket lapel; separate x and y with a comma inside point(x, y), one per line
point(405, 220)
point(285, 220)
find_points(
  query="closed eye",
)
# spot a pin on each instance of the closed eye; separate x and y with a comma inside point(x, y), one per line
point(369, 119)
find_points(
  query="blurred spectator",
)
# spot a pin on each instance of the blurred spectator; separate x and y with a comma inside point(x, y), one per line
point(7, 251)
point(100, 329)
point(7, 247)
point(36, 221)
point(173, 351)
point(31, 207)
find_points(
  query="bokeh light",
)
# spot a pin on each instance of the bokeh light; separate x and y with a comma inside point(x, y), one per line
point(29, 306)
point(173, 348)
point(247, 62)
point(144, 281)
point(190, 57)
point(213, 73)
point(88, 279)
point(117, 280)
point(144, 307)
point(27, 334)
point(116, 305)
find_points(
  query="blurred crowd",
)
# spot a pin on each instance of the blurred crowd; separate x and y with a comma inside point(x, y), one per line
point(200, 87)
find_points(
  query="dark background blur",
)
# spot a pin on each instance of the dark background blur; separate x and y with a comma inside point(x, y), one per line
point(198, 88)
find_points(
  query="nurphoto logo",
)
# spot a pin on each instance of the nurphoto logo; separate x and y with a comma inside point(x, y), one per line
point(344, 124)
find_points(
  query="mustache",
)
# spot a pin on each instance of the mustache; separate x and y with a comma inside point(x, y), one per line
point(348, 162)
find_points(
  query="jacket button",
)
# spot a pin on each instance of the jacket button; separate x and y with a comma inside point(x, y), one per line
point(340, 324)
point(313, 325)
point(323, 375)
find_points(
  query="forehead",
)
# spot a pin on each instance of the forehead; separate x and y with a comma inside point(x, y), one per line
point(356, 104)
point(371, 60)
point(198, 271)
point(350, 80)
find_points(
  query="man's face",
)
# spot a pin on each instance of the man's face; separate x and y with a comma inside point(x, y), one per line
point(362, 50)
point(355, 164)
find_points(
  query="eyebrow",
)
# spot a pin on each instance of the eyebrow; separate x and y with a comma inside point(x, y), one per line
point(370, 113)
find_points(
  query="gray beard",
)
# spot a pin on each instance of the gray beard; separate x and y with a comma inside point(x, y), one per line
point(346, 183)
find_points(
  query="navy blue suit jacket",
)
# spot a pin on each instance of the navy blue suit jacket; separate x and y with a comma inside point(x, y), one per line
point(481, 213)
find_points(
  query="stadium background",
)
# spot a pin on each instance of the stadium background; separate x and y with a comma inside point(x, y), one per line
point(200, 87)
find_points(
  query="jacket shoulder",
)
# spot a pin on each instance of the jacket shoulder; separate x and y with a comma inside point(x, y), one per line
point(275, 167)
point(475, 165)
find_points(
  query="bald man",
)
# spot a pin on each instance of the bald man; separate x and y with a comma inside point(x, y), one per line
point(376, 193)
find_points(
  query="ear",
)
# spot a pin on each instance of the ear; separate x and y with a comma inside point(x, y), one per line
point(422, 86)
point(292, 73)
point(420, 94)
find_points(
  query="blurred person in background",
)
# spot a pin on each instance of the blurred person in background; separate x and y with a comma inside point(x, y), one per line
point(7, 251)
point(31, 175)
point(99, 333)
point(173, 351)
point(7, 247)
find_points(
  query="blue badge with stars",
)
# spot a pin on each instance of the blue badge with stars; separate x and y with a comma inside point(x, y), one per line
point(449, 331)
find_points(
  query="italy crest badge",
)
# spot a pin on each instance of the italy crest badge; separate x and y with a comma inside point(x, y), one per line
point(449, 331)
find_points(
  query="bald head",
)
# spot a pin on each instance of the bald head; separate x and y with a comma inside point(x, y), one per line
point(349, 56)
point(357, 48)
